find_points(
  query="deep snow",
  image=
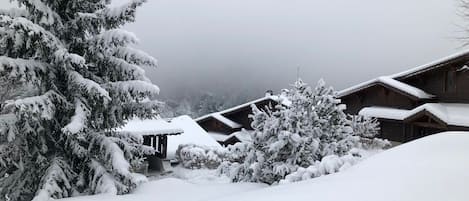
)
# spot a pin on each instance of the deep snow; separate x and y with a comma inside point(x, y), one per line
point(433, 168)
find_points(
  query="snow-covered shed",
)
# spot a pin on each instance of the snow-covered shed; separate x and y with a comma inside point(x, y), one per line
point(169, 133)
point(226, 126)
point(421, 101)
point(155, 133)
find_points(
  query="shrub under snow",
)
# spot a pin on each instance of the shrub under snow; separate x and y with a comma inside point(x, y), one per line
point(195, 157)
point(312, 136)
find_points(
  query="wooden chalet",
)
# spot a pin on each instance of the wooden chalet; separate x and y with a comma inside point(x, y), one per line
point(232, 125)
point(422, 101)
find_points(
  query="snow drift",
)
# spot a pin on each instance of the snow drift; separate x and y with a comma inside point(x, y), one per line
point(433, 168)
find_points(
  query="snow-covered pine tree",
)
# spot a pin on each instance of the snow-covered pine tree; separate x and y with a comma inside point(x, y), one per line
point(85, 80)
point(286, 138)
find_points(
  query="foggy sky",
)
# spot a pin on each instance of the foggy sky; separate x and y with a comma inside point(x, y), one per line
point(252, 45)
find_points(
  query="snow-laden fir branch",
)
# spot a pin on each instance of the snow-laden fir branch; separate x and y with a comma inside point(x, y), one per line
point(135, 56)
point(135, 87)
point(55, 181)
point(78, 120)
point(24, 70)
point(45, 15)
point(15, 12)
point(88, 85)
point(42, 105)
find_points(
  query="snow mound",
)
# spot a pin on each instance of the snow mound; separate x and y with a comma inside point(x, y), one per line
point(193, 134)
point(433, 168)
point(171, 189)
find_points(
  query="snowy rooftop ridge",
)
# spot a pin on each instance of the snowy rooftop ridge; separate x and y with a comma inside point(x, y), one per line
point(226, 121)
point(407, 73)
point(280, 98)
point(391, 82)
point(455, 114)
point(430, 65)
point(150, 127)
point(243, 136)
point(384, 113)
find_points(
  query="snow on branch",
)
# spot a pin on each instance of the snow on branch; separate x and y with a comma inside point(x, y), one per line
point(89, 85)
point(131, 70)
point(63, 56)
point(21, 69)
point(55, 182)
point(113, 153)
point(115, 16)
point(14, 12)
point(136, 87)
point(26, 34)
point(115, 37)
point(135, 56)
point(78, 120)
point(102, 181)
point(42, 105)
point(7, 126)
point(46, 15)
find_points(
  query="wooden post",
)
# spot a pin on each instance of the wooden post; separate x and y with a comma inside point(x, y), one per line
point(163, 142)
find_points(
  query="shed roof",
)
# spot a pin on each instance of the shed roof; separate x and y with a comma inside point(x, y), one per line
point(150, 127)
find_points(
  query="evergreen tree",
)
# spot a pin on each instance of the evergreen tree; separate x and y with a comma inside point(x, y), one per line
point(287, 137)
point(86, 80)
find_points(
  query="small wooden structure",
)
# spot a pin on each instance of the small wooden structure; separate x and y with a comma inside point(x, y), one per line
point(159, 141)
point(422, 101)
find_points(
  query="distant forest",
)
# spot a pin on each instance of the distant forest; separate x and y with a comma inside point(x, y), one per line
point(197, 104)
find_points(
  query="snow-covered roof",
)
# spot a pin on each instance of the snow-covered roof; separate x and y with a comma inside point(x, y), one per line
point(220, 137)
point(193, 134)
point(384, 113)
point(280, 98)
point(431, 65)
point(455, 114)
point(243, 136)
point(150, 127)
point(408, 89)
point(226, 121)
point(393, 80)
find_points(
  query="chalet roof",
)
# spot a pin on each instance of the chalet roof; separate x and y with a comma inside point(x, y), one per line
point(395, 79)
point(219, 115)
point(431, 65)
point(225, 120)
point(455, 114)
point(384, 113)
point(390, 82)
point(150, 127)
point(242, 136)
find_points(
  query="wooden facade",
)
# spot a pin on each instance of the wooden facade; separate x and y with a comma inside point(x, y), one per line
point(426, 96)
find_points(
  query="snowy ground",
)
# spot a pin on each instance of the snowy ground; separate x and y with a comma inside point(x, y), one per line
point(434, 168)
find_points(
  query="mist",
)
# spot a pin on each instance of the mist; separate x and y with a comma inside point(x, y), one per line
point(249, 46)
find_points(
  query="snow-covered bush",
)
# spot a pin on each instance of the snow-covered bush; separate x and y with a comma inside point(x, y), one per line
point(367, 129)
point(195, 156)
point(289, 137)
point(85, 79)
point(327, 165)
